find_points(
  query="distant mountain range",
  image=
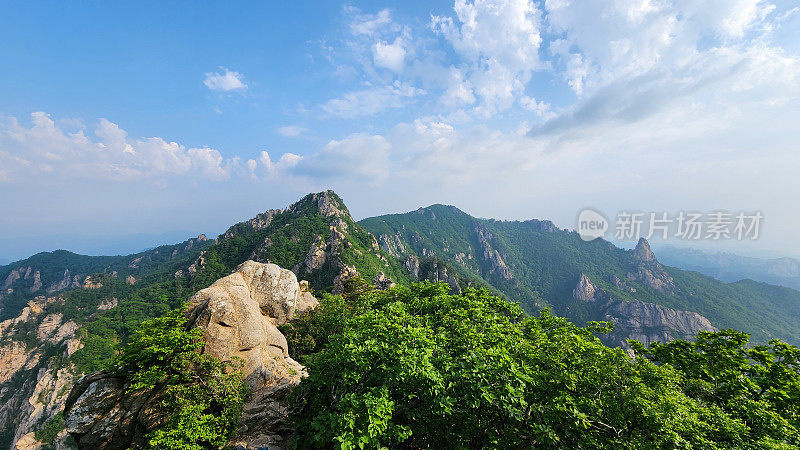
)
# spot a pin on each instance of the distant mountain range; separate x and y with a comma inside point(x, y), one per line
point(730, 267)
point(14, 248)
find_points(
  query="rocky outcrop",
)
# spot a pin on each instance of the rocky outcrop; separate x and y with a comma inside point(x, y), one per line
point(257, 223)
point(643, 321)
point(392, 244)
point(491, 256)
point(648, 271)
point(239, 315)
point(412, 265)
point(643, 251)
point(35, 375)
point(382, 282)
point(649, 322)
point(545, 226)
point(585, 290)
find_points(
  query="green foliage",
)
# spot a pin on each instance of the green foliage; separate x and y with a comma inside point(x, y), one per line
point(417, 367)
point(202, 395)
point(53, 267)
point(757, 385)
point(547, 263)
point(47, 434)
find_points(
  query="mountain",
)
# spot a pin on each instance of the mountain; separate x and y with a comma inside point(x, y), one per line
point(50, 272)
point(66, 314)
point(315, 237)
point(729, 267)
point(538, 265)
point(19, 247)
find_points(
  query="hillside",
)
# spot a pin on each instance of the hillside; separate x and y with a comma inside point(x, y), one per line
point(48, 273)
point(538, 265)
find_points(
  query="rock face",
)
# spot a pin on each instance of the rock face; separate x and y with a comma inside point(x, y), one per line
point(239, 315)
point(381, 281)
point(34, 378)
point(643, 251)
point(642, 321)
point(584, 290)
point(490, 255)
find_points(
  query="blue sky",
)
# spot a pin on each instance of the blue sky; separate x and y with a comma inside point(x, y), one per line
point(147, 117)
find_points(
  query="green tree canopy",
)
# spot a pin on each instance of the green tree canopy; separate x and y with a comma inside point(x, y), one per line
point(417, 367)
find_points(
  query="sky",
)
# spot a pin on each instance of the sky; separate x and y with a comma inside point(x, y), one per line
point(142, 118)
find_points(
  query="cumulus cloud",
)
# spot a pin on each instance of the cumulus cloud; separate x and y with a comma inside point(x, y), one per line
point(45, 150)
point(498, 42)
point(226, 81)
point(390, 56)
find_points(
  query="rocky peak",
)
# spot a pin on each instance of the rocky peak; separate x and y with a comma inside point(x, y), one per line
point(585, 290)
point(643, 251)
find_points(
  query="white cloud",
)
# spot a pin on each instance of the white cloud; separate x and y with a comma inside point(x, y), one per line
point(46, 151)
point(264, 167)
point(390, 56)
point(226, 81)
point(369, 24)
point(498, 42)
point(292, 130)
point(371, 101)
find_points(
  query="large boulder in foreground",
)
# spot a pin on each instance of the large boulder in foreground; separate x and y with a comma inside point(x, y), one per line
point(239, 315)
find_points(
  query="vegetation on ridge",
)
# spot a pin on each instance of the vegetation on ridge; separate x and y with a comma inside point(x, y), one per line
point(417, 367)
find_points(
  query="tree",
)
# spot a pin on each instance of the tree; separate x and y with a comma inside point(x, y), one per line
point(202, 395)
point(417, 367)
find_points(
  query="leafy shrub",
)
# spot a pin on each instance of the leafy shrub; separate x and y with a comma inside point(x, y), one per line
point(52, 427)
point(202, 395)
point(417, 367)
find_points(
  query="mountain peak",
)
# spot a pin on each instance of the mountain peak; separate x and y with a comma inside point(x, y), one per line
point(643, 251)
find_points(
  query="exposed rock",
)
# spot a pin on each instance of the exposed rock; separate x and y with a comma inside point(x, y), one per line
point(37, 281)
point(13, 357)
point(66, 281)
point(28, 442)
point(338, 282)
point(130, 279)
point(328, 205)
point(30, 401)
point(107, 304)
point(99, 413)
point(316, 256)
point(437, 272)
point(585, 290)
point(92, 283)
point(643, 251)
point(412, 265)
point(649, 322)
point(392, 244)
point(238, 315)
point(258, 222)
point(544, 226)
point(13, 276)
point(490, 255)
point(382, 282)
